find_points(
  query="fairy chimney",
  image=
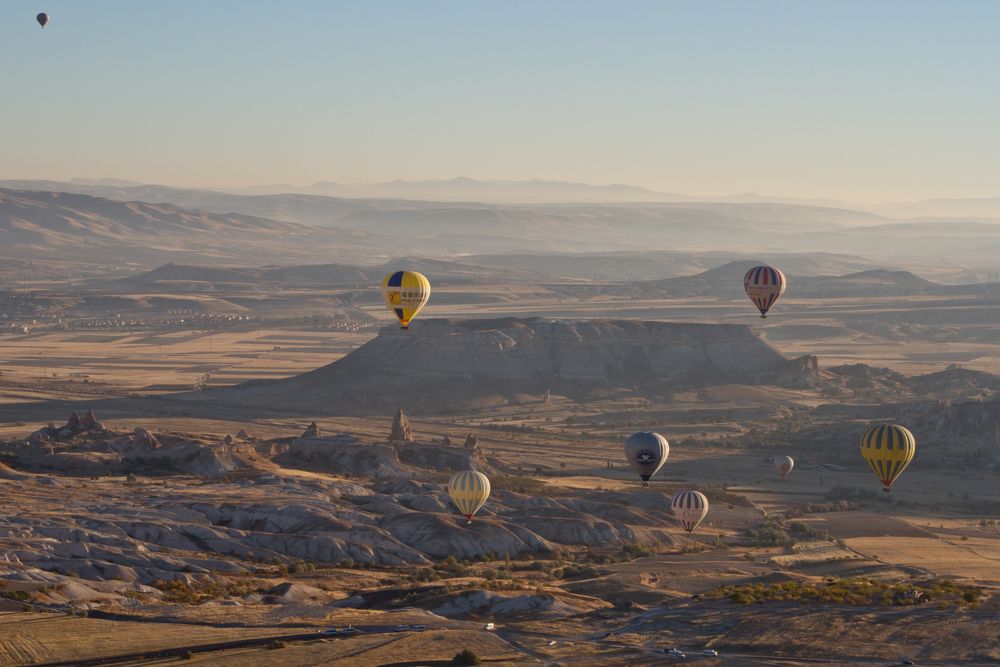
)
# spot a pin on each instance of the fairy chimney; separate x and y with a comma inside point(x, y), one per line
point(401, 428)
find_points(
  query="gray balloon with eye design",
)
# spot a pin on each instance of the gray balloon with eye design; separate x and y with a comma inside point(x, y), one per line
point(646, 452)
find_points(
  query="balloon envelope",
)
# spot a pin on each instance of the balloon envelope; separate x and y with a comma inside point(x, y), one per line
point(646, 452)
point(690, 508)
point(784, 465)
point(42, 19)
point(764, 285)
point(469, 490)
point(888, 449)
point(405, 293)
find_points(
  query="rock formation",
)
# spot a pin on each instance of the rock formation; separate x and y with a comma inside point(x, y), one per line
point(73, 426)
point(401, 428)
point(471, 442)
point(312, 431)
point(453, 364)
point(90, 423)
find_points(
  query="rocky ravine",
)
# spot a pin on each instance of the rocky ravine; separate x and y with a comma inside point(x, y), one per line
point(65, 523)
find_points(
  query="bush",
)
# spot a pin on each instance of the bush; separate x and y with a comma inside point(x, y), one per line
point(20, 596)
point(769, 533)
point(465, 657)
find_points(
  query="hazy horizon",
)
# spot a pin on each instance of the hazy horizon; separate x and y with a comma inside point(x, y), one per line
point(851, 102)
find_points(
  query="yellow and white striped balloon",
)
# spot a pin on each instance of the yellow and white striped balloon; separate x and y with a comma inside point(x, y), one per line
point(888, 449)
point(469, 490)
point(405, 293)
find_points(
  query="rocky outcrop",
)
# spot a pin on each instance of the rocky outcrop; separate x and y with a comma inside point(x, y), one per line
point(74, 426)
point(343, 455)
point(102, 452)
point(90, 423)
point(312, 431)
point(499, 605)
point(437, 457)
point(401, 431)
point(471, 442)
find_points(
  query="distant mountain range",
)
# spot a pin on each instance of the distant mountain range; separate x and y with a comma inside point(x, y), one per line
point(80, 228)
point(110, 220)
point(530, 191)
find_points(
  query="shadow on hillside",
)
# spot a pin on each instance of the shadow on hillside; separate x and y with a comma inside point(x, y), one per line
point(137, 408)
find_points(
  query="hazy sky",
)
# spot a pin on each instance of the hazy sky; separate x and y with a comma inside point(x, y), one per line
point(856, 100)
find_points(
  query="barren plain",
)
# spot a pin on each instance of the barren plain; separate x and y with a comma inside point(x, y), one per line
point(194, 518)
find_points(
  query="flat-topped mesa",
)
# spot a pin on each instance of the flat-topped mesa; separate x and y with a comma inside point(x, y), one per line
point(449, 364)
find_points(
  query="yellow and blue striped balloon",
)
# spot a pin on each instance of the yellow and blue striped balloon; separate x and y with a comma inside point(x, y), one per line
point(888, 449)
point(469, 490)
point(405, 293)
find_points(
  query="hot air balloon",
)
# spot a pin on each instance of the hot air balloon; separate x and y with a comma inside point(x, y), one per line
point(405, 293)
point(888, 449)
point(690, 508)
point(469, 490)
point(784, 464)
point(42, 19)
point(646, 453)
point(764, 285)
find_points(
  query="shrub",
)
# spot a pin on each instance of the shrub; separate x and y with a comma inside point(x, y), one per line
point(769, 533)
point(465, 657)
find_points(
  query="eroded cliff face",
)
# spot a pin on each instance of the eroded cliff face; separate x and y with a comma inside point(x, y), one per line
point(448, 364)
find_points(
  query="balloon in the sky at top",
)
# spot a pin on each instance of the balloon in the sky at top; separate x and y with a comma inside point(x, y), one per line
point(469, 490)
point(405, 293)
point(764, 285)
point(646, 453)
point(690, 508)
point(42, 19)
point(784, 465)
point(888, 450)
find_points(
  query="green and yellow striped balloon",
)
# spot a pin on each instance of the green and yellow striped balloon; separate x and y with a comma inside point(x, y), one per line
point(469, 490)
point(405, 293)
point(888, 449)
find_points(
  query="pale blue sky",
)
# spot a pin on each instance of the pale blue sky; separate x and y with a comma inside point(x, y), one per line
point(857, 100)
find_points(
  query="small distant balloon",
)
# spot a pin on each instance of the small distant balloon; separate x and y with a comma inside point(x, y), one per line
point(764, 285)
point(42, 19)
point(784, 465)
